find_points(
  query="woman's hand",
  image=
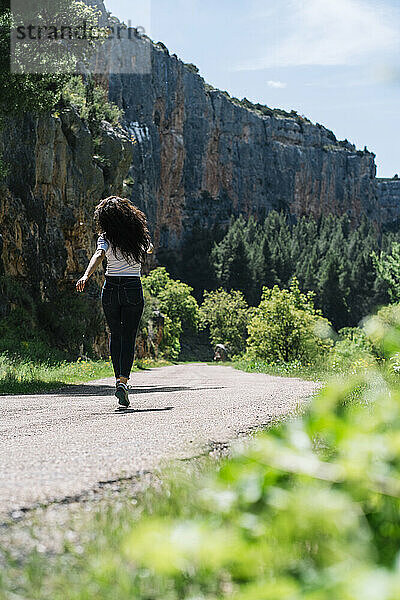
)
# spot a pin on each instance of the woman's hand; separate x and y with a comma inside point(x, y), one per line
point(80, 285)
point(96, 259)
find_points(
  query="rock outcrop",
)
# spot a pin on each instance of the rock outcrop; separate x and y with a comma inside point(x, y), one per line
point(53, 185)
point(55, 179)
point(202, 156)
point(388, 194)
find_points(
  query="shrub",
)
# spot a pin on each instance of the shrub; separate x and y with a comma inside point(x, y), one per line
point(383, 330)
point(176, 302)
point(347, 357)
point(351, 352)
point(287, 327)
point(71, 322)
point(53, 330)
point(170, 345)
point(20, 334)
point(192, 67)
point(357, 336)
point(226, 314)
point(148, 334)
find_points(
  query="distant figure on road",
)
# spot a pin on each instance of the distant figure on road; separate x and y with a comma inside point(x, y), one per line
point(124, 241)
point(221, 353)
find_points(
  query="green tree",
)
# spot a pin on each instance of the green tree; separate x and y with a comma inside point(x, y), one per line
point(92, 102)
point(231, 259)
point(387, 265)
point(37, 92)
point(193, 262)
point(226, 314)
point(264, 272)
point(332, 291)
point(327, 255)
point(287, 327)
point(278, 233)
point(176, 302)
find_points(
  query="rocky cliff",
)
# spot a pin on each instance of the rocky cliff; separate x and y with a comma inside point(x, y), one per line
point(202, 156)
point(388, 194)
point(55, 179)
point(53, 185)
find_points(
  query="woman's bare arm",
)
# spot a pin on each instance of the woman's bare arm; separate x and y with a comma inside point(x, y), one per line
point(95, 261)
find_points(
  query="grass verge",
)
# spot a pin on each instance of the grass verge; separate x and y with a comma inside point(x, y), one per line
point(19, 376)
point(321, 369)
point(312, 372)
point(295, 369)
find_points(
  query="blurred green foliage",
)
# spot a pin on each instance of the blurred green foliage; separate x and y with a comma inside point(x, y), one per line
point(382, 330)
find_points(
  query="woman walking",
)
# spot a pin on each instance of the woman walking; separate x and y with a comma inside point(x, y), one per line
point(124, 241)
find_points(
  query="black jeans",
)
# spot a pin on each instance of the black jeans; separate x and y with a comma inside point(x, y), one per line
point(122, 300)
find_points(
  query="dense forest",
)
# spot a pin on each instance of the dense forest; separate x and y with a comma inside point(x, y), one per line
point(327, 256)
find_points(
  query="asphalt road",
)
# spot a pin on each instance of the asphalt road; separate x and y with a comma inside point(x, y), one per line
point(58, 445)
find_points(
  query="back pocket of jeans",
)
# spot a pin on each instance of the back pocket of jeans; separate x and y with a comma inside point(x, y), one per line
point(133, 295)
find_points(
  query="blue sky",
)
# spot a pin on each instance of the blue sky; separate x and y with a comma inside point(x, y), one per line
point(335, 61)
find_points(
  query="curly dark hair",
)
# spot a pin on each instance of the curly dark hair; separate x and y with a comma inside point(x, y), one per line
point(124, 226)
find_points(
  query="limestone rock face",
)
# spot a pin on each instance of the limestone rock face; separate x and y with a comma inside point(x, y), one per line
point(48, 198)
point(388, 192)
point(201, 157)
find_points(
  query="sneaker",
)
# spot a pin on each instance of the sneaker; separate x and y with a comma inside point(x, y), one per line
point(123, 396)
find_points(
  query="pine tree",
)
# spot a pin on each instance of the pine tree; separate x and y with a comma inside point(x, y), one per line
point(263, 270)
point(331, 292)
point(231, 260)
point(278, 234)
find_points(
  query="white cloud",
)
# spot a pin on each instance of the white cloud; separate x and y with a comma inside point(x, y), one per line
point(323, 32)
point(276, 84)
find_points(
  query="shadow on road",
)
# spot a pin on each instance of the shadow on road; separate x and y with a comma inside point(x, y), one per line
point(107, 390)
point(120, 411)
